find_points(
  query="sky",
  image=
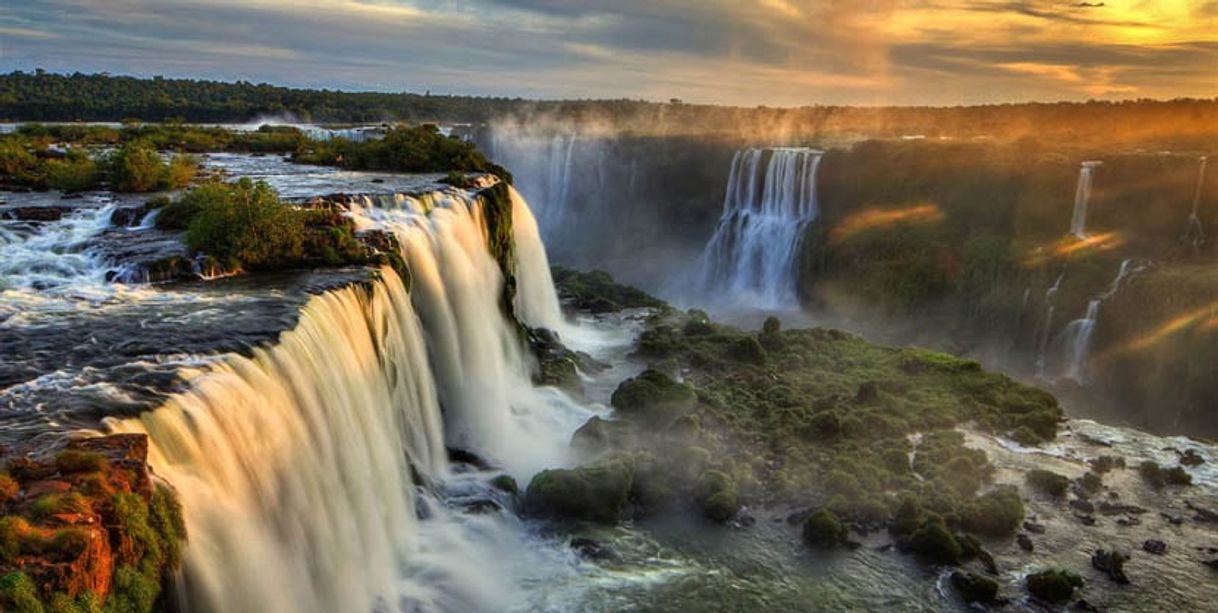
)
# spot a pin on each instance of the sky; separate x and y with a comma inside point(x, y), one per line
point(739, 52)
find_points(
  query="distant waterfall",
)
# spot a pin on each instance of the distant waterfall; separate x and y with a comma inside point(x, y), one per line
point(1194, 234)
point(771, 197)
point(295, 465)
point(1076, 336)
point(546, 168)
point(1082, 194)
point(1046, 326)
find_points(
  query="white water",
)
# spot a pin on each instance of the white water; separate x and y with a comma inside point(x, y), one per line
point(56, 255)
point(294, 466)
point(770, 199)
point(1082, 194)
point(1046, 328)
point(1076, 336)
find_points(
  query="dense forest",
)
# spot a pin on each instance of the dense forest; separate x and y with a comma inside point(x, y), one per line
point(44, 96)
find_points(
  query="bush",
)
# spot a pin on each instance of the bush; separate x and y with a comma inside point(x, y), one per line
point(240, 224)
point(8, 488)
point(1158, 477)
point(935, 543)
point(76, 461)
point(137, 167)
point(1053, 586)
point(996, 513)
point(823, 530)
point(181, 171)
point(76, 172)
point(597, 493)
point(1106, 463)
point(1047, 482)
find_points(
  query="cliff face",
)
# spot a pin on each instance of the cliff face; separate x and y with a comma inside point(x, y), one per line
point(87, 528)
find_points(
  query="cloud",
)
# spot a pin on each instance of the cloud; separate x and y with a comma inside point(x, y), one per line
point(776, 52)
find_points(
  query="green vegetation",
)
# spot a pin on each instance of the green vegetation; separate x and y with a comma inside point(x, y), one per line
point(823, 530)
point(1049, 483)
point(596, 292)
point(1053, 586)
point(654, 397)
point(135, 166)
point(1158, 477)
point(419, 148)
point(244, 225)
point(975, 588)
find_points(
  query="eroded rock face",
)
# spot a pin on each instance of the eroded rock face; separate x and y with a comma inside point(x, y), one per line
point(88, 522)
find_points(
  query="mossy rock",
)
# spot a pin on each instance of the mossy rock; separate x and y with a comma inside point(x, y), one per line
point(653, 397)
point(997, 513)
point(599, 493)
point(1053, 586)
point(935, 543)
point(974, 588)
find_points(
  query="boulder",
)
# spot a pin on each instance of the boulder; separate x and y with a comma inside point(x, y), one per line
point(599, 493)
point(974, 588)
point(1112, 563)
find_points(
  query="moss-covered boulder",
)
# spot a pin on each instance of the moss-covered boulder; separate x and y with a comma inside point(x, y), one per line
point(975, 589)
point(599, 493)
point(1053, 586)
point(996, 513)
point(653, 397)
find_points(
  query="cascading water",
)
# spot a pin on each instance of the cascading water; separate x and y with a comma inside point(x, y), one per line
point(771, 197)
point(295, 465)
point(1046, 327)
point(1194, 233)
point(1076, 336)
point(1082, 194)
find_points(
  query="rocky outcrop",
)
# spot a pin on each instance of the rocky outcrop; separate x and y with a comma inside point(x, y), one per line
point(87, 525)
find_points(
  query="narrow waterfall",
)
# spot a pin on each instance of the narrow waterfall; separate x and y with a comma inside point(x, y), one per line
point(1082, 194)
point(1046, 326)
point(1076, 336)
point(295, 465)
point(770, 199)
point(1194, 233)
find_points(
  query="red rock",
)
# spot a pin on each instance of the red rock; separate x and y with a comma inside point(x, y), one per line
point(50, 486)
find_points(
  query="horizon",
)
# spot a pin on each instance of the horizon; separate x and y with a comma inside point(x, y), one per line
point(776, 53)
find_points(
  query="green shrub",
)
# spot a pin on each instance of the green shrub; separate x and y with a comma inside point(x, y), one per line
point(137, 167)
point(239, 224)
point(1158, 477)
point(823, 530)
point(8, 488)
point(654, 397)
point(996, 513)
point(181, 171)
point(76, 172)
point(935, 543)
point(1047, 482)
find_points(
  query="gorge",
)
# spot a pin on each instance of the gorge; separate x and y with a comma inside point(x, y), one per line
point(414, 412)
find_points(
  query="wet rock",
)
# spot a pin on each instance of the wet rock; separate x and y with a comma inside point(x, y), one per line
point(1154, 546)
point(128, 216)
point(1082, 506)
point(481, 506)
point(1174, 520)
point(1191, 458)
point(1025, 542)
point(1087, 520)
point(1034, 527)
point(462, 456)
point(589, 549)
point(745, 521)
point(1202, 514)
point(975, 588)
point(886, 547)
point(1126, 522)
point(1053, 586)
point(505, 483)
point(35, 213)
point(1083, 605)
point(1212, 563)
point(1112, 563)
point(1108, 508)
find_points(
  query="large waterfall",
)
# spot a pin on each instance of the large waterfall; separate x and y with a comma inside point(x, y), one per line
point(771, 197)
point(295, 465)
point(1082, 195)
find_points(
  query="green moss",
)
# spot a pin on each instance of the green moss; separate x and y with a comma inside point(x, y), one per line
point(596, 291)
point(1053, 586)
point(505, 483)
point(75, 461)
point(935, 543)
point(598, 493)
point(653, 397)
point(1049, 483)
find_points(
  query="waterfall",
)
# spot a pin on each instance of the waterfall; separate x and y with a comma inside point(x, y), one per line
point(770, 199)
point(1082, 193)
point(295, 465)
point(1194, 234)
point(1076, 336)
point(1046, 328)
point(1078, 341)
